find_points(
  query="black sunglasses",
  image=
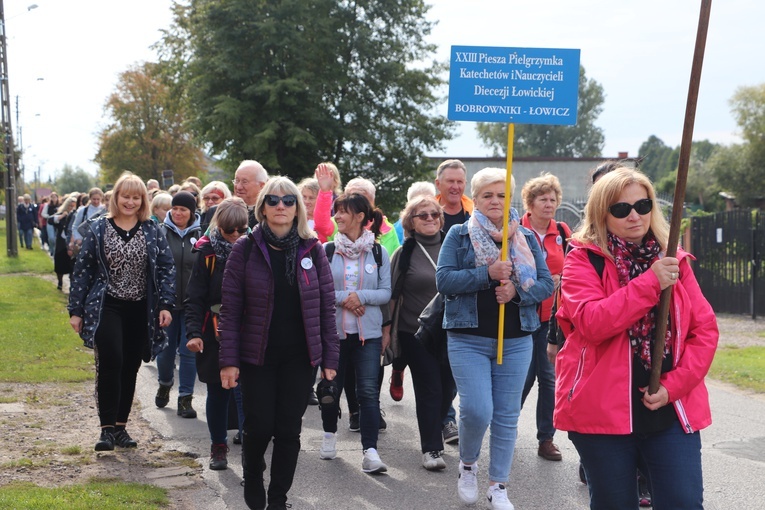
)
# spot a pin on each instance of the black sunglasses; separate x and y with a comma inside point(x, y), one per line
point(241, 231)
point(424, 216)
point(287, 200)
point(623, 209)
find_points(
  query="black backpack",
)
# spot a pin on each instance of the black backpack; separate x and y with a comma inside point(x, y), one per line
point(329, 249)
point(554, 333)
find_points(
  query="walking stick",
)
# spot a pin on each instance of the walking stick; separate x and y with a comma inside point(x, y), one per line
point(506, 219)
point(682, 177)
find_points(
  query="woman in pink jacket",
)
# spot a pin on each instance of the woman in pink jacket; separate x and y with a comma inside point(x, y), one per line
point(603, 369)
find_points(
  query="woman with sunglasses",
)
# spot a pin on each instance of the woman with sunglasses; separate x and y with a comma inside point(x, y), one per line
point(277, 323)
point(413, 269)
point(202, 307)
point(603, 368)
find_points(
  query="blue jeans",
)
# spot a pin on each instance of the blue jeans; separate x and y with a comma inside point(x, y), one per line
point(542, 370)
point(51, 238)
point(490, 394)
point(366, 362)
point(671, 457)
point(25, 236)
point(216, 410)
point(187, 369)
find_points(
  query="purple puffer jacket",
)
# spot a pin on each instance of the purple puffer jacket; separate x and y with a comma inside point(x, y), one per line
point(248, 293)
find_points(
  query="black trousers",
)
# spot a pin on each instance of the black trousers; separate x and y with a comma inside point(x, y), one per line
point(119, 342)
point(275, 396)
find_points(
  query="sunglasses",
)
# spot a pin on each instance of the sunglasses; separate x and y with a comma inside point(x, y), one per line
point(241, 231)
point(424, 216)
point(623, 209)
point(287, 200)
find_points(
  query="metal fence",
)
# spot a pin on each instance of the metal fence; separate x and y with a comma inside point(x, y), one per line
point(729, 249)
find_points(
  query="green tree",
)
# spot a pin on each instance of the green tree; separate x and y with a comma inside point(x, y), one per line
point(702, 186)
point(292, 83)
point(658, 159)
point(147, 133)
point(584, 139)
point(73, 179)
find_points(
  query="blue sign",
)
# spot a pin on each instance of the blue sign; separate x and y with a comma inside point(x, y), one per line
point(514, 85)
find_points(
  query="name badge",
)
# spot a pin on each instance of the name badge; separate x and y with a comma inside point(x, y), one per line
point(307, 263)
point(369, 268)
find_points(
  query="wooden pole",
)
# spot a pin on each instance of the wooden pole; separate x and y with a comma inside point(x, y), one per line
point(682, 178)
point(506, 219)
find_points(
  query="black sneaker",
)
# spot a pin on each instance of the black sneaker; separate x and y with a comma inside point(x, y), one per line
point(313, 400)
point(383, 425)
point(105, 442)
point(184, 407)
point(353, 422)
point(238, 438)
point(218, 460)
point(163, 396)
point(123, 439)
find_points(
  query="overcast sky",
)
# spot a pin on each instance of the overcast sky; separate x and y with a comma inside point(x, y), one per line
point(64, 58)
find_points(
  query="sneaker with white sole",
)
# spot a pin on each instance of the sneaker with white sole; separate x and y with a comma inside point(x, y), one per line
point(328, 449)
point(467, 483)
point(497, 496)
point(432, 461)
point(371, 462)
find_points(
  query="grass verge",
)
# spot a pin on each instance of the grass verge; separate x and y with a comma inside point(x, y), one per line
point(97, 494)
point(743, 367)
point(28, 261)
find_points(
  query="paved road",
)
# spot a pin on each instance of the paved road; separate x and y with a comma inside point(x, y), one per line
point(733, 457)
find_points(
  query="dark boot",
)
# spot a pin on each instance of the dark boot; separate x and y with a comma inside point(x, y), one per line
point(184, 407)
point(254, 491)
point(163, 396)
point(123, 439)
point(106, 441)
point(218, 460)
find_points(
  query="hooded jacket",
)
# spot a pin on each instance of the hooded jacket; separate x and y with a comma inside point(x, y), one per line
point(90, 279)
point(594, 367)
point(181, 241)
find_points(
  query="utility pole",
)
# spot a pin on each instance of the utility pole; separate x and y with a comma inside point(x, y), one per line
point(7, 133)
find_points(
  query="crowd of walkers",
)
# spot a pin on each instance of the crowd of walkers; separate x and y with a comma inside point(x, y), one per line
point(265, 288)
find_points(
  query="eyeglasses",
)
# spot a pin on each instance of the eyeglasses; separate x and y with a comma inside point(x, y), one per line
point(241, 231)
point(424, 216)
point(287, 200)
point(623, 209)
point(243, 182)
point(212, 198)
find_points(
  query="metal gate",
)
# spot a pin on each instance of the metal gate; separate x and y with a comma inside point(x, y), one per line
point(729, 248)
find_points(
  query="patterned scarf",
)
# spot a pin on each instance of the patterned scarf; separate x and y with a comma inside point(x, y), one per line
point(221, 247)
point(632, 260)
point(288, 243)
point(484, 236)
point(354, 249)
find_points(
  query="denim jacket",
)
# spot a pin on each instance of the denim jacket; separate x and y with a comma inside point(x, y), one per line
point(459, 280)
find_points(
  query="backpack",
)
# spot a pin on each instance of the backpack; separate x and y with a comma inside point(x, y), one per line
point(554, 333)
point(329, 249)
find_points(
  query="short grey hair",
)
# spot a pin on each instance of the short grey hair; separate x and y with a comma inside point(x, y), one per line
point(488, 176)
point(419, 188)
point(261, 175)
point(361, 183)
point(450, 163)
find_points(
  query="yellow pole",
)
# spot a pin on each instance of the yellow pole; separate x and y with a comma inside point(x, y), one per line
point(503, 253)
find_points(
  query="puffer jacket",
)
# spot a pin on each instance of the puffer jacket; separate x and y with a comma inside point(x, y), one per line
point(181, 242)
point(247, 299)
point(90, 279)
point(594, 368)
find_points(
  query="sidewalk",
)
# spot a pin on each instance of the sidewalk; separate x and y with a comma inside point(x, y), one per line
point(733, 457)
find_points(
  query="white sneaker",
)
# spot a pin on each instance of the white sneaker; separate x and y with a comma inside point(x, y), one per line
point(432, 461)
point(371, 462)
point(467, 483)
point(328, 449)
point(497, 496)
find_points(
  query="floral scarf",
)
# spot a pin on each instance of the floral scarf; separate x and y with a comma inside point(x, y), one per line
point(631, 261)
point(220, 246)
point(484, 236)
point(289, 243)
point(354, 249)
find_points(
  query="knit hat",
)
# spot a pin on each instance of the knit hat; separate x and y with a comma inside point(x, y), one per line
point(185, 199)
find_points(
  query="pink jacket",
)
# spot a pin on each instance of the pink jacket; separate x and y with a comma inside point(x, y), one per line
point(594, 367)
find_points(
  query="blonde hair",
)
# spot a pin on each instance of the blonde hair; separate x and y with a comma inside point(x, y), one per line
point(488, 176)
point(605, 193)
point(407, 215)
point(129, 183)
point(69, 200)
point(194, 190)
point(162, 199)
point(280, 184)
point(538, 186)
point(337, 189)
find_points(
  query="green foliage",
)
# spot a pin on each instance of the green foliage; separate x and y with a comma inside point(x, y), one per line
point(744, 367)
point(658, 158)
point(292, 83)
point(97, 494)
point(38, 343)
point(71, 179)
point(147, 133)
point(584, 139)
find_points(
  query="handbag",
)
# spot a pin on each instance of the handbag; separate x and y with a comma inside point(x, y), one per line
point(431, 332)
